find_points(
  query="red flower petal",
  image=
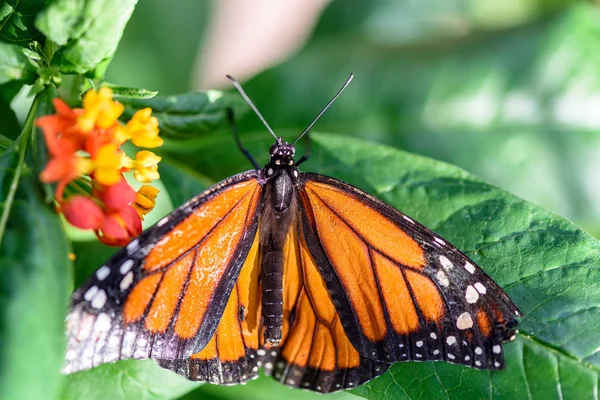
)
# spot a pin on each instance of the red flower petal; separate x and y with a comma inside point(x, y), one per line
point(83, 212)
point(116, 197)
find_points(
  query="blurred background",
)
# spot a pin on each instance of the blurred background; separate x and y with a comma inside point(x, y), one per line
point(509, 91)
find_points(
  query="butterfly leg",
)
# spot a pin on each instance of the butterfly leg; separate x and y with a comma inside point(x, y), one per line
point(306, 149)
point(238, 142)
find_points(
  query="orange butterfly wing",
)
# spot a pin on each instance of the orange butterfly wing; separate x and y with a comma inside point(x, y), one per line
point(402, 292)
point(163, 295)
point(316, 352)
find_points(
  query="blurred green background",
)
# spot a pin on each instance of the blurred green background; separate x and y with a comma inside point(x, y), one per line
point(509, 91)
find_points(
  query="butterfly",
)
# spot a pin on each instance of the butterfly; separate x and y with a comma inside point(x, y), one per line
point(319, 283)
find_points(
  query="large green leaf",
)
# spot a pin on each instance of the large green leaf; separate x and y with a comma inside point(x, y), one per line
point(14, 65)
point(513, 106)
point(87, 31)
point(124, 380)
point(34, 287)
point(549, 267)
point(188, 115)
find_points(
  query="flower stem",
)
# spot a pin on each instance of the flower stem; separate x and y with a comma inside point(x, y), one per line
point(21, 147)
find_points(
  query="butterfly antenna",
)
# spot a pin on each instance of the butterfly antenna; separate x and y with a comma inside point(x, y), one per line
point(325, 109)
point(250, 103)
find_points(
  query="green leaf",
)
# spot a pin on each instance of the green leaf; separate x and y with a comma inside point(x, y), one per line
point(17, 21)
point(34, 288)
point(124, 380)
point(87, 31)
point(262, 388)
point(549, 267)
point(14, 65)
point(129, 92)
point(188, 115)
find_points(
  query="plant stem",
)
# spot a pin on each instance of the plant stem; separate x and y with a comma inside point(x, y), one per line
point(21, 142)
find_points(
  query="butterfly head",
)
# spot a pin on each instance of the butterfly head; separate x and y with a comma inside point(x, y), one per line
point(281, 154)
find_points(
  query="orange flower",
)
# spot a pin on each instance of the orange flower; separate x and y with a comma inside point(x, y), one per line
point(142, 129)
point(85, 143)
point(99, 110)
point(145, 200)
point(145, 166)
point(107, 164)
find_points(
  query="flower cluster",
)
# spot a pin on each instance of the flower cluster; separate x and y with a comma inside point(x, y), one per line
point(87, 163)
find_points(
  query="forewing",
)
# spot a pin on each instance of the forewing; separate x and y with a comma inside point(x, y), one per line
point(162, 296)
point(316, 353)
point(403, 292)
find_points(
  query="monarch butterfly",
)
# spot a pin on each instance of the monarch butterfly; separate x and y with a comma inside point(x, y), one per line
point(317, 282)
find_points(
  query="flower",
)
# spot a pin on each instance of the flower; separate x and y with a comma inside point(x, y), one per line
point(145, 200)
point(142, 129)
point(83, 212)
point(107, 164)
point(84, 145)
point(120, 226)
point(145, 166)
point(99, 110)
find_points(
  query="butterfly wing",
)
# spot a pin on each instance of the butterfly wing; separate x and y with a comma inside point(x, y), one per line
point(230, 357)
point(163, 295)
point(401, 291)
point(316, 352)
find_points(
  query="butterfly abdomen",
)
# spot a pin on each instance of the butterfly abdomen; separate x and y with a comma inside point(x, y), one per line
point(279, 207)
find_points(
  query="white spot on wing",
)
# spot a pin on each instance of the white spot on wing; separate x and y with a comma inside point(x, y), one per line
point(471, 295)
point(133, 245)
point(447, 264)
point(126, 266)
point(408, 219)
point(450, 340)
point(497, 349)
point(478, 351)
point(89, 295)
point(436, 352)
point(102, 273)
point(433, 335)
point(163, 221)
point(470, 267)
point(464, 321)
point(419, 343)
point(103, 323)
point(480, 288)
point(439, 240)
point(451, 356)
point(442, 278)
point(126, 281)
point(99, 300)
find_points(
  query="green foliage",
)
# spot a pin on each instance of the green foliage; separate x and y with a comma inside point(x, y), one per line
point(190, 114)
point(87, 31)
point(14, 64)
point(17, 21)
point(35, 284)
